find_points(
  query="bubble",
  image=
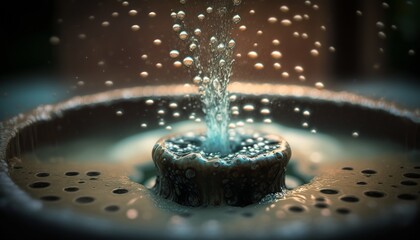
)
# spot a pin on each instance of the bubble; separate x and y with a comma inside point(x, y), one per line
point(267, 120)
point(125, 3)
point(132, 13)
point(177, 64)
point(176, 114)
point(314, 53)
point(135, 28)
point(109, 83)
point(119, 113)
point(176, 27)
point(299, 69)
point(258, 66)
point(188, 61)
point(252, 11)
point(144, 56)
point(285, 74)
point(193, 46)
point(249, 108)
point(305, 125)
point(276, 54)
point(144, 74)
point(174, 53)
point(317, 44)
point(149, 102)
point(54, 40)
point(183, 35)
point(385, 5)
point(236, 19)
point(296, 109)
point(115, 14)
point(173, 15)
point(331, 49)
point(105, 24)
point(286, 22)
point(277, 66)
point(143, 125)
point(308, 3)
point(323, 28)
point(152, 14)
point(101, 63)
point(265, 101)
point(315, 7)
point(242, 28)
point(157, 42)
point(302, 78)
point(305, 36)
point(355, 134)
point(252, 54)
point(159, 65)
point(272, 19)
point(161, 112)
point(180, 15)
point(259, 32)
point(209, 10)
point(296, 34)
point(319, 85)
point(200, 17)
point(275, 42)
point(284, 8)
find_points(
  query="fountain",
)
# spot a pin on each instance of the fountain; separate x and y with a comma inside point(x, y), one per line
point(84, 166)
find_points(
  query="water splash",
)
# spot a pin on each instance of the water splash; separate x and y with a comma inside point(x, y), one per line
point(207, 38)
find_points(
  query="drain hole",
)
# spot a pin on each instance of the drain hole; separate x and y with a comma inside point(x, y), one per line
point(409, 183)
point(120, 191)
point(39, 185)
point(375, 194)
point(329, 191)
point(81, 182)
point(368, 171)
point(247, 214)
point(71, 173)
point(412, 175)
point(407, 196)
point(296, 209)
point(93, 174)
point(50, 198)
point(42, 174)
point(343, 211)
point(347, 168)
point(112, 208)
point(349, 199)
point(321, 205)
point(71, 189)
point(320, 199)
point(84, 200)
point(17, 167)
point(361, 183)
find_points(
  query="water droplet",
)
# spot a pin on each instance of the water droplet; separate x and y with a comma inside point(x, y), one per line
point(381, 35)
point(272, 19)
point(119, 112)
point(180, 15)
point(319, 85)
point(54, 40)
point(200, 17)
point(144, 74)
point(359, 13)
point(252, 54)
point(317, 44)
point(183, 35)
point(302, 78)
point(286, 22)
point(306, 113)
point(109, 83)
point(174, 53)
point(314, 53)
point(144, 56)
point(285, 74)
point(305, 125)
point(177, 64)
point(149, 102)
point(197, 32)
point(299, 69)
point(125, 3)
point(331, 49)
point(135, 28)
point(276, 54)
point(355, 134)
point(159, 65)
point(277, 66)
point(176, 27)
point(132, 13)
point(188, 61)
point(152, 14)
point(236, 19)
point(81, 36)
point(284, 8)
point(105, 24)
point(248, 108)
point(297, 18)
point(231, 43)
point(236, 2)
point(265, 111)
point(115, 14)
point(143, 125)
point(157, 42)
point(411, 52)
point(258, 66)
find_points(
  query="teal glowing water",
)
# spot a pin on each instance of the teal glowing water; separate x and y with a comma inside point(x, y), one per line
point(211, 48)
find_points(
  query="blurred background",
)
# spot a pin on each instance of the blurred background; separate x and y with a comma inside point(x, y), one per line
point(53, 50)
